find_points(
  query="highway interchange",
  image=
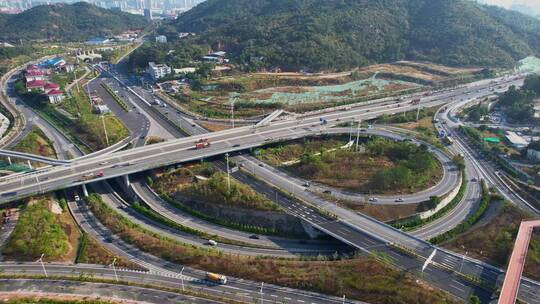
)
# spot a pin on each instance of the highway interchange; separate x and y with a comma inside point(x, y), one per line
point(354, 229)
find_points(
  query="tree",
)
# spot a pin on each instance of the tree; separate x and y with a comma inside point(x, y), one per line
point(474, 299)
point(459, 161)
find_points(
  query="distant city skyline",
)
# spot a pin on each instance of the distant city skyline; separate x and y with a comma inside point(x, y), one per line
point(167, 7)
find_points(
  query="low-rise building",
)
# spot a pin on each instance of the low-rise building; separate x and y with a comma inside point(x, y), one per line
point(161, 39)
point(157, 71)
point(38, 85)
point(515, 140)
point(50, 86)
point(98, 41)
point(55, 96)
point(34, 74)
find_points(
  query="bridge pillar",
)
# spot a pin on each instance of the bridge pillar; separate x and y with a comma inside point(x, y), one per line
point(126, 180)
point(29, 165)
point(85, 191)
point(9, 160)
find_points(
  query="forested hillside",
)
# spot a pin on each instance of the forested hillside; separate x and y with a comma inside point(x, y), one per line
point(333, 35)
point(63, 22)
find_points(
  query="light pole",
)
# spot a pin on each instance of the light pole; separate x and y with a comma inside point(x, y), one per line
point(43, 265)
point(114, 269)
point(182, 278)
point(228, 173)
point(463, 261)
point(358, 134)
point(232, 112)
point(262, 299)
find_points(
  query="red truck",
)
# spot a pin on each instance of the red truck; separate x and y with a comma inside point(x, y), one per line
point(202, 143)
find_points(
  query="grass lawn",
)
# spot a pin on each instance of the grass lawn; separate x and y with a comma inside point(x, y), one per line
point(36, 143)
point(40, 230)
point(494, 241)
point(361, 278)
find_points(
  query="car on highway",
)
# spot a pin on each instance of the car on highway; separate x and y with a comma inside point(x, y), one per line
point(212, 243)
point(399, 200)
point(307, 184)
point(236, 145)
point(373, 199)
point(254, 236)
point(327, 192)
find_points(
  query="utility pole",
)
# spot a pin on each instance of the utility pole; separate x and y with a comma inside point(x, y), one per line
point(43, 265)
point(228, 173)
point(114, 269)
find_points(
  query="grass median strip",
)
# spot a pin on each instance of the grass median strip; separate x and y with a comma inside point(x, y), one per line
point(115, 96)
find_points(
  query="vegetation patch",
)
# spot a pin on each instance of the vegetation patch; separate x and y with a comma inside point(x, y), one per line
point(487, 198)
point(45, 300)
point(37, 143)
point(381, 166)
point(92, 252)
point(42, 231)
point(378, 284)
point(203, 192)
point(203, 183)
point(493, 242)
point(77, 121)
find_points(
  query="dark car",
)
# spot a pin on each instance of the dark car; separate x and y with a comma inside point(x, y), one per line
point(254, 236)
point(327, 192)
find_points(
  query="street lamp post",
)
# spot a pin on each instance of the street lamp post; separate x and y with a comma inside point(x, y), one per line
point(463, 261)
point(114, 269)
point(228, 173)
point(43, 265)
point(182, 278)
point(262, 299)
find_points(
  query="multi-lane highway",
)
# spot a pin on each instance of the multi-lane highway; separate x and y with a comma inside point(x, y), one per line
point(370, 232)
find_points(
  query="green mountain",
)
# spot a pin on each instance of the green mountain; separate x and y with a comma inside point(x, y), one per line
point(340, 34)
point(64, 22)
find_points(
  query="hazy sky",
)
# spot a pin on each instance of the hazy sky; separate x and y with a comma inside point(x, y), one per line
point(533, 4)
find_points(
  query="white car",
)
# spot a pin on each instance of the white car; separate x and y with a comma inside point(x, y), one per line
point(212, 243)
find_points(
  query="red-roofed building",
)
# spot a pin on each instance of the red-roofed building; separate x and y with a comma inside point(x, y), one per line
point(34, 74)
point(36, 85)
point(55, 96)
point(51, 86)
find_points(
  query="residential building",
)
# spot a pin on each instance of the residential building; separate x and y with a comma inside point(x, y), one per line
point(38, 85)
point(34, 74)
point(157, 71)
point(533, 151)
point(51, 86)
point(55, 96)
point(161, 39)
